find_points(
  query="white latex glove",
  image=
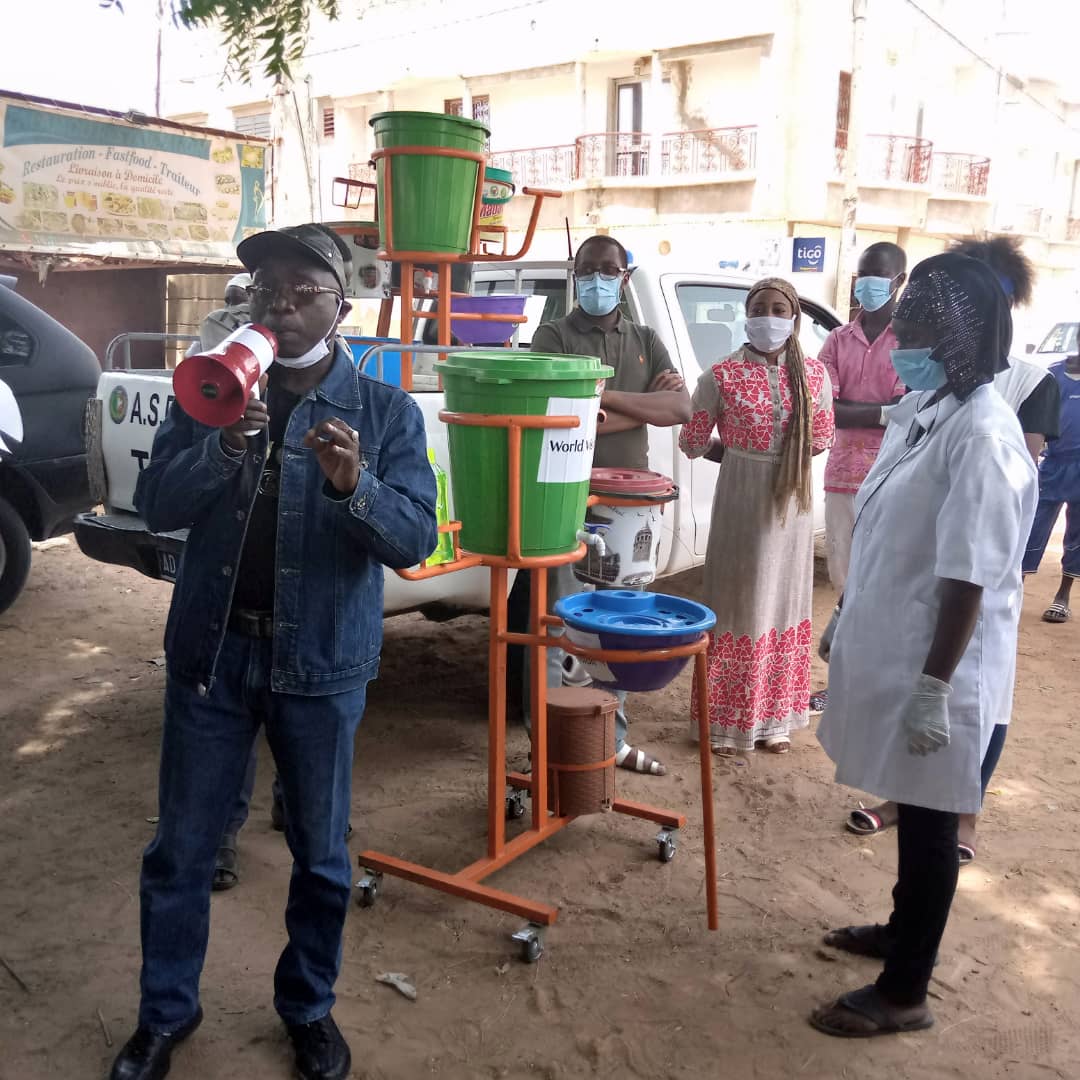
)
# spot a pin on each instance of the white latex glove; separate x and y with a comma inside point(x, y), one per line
point(825, 645)
point(925, 716)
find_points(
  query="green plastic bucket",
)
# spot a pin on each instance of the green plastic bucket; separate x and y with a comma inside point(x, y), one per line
point(433, 196)
point(555, 463)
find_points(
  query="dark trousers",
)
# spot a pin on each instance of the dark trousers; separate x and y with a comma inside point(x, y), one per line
point(205, 753)
point(925, 884)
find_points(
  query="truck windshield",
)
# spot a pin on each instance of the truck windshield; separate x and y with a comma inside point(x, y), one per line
point(716, 321)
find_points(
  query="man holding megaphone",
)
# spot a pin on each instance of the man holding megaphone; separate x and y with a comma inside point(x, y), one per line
point(294, 504)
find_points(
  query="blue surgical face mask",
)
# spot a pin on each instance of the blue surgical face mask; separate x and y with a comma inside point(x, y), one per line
point(873, 293)
point(917, 369)
point(598, 295)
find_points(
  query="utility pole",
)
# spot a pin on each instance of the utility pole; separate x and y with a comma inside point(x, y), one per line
point(849, 255)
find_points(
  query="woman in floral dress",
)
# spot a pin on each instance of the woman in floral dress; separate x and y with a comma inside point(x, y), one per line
point(772, 408)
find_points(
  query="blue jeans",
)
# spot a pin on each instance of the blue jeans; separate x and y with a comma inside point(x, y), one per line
point(205, 750)
point(242, 805)
point(993, 754)
point(1059, 485)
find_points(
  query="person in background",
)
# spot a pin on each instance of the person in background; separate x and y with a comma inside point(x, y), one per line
point(864, 384)
point(923, 649)
point(646, 389)
point(1059, 485)
point(276, 620)
point(773, 410)
point(1033, 394)
point(1030, 390)
point(226, 864)
point(219, 324)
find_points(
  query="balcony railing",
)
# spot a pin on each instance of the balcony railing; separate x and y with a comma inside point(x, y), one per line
point(960, 174)
point(708, 151)
point(540, 166)
point(897, 159)
point(701, 153)
point(612, 153)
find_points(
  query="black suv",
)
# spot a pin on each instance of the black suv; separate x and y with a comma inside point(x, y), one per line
point(43, 478)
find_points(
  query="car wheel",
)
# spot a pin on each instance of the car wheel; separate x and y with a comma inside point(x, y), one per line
point(14, 554)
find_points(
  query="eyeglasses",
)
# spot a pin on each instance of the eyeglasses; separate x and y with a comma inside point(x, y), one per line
point(297, 293)
point(609, 272)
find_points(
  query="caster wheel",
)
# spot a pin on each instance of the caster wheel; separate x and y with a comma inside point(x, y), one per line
point(515, 806)
point(530, 942)
point(367, 890)
point(666, 846)
point(532, 950)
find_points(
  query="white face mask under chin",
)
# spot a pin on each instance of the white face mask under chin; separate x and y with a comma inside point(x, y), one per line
point(316, 353)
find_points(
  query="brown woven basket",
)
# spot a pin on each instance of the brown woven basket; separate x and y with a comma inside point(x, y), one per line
point(581, 751)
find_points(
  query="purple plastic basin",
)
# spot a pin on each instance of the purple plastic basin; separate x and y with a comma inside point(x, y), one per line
point(651, 675)
point(474, 332)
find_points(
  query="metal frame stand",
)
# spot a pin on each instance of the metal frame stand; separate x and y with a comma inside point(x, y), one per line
point(503, 788)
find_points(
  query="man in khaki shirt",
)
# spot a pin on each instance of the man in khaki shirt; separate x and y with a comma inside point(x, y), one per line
point(646, 389)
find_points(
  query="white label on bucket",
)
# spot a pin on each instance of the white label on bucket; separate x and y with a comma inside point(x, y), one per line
point(567, 454)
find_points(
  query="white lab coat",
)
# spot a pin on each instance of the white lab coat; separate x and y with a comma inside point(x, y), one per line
point(958, 503)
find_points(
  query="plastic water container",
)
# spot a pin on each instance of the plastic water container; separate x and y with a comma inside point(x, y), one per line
point(369, 365)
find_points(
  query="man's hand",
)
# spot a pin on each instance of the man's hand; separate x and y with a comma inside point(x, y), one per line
point(255, 419)
point(667, 380)
point(337, 449)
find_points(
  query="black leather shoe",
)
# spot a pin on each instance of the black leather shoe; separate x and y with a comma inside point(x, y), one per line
point(146, 1054)
point(321, 1050)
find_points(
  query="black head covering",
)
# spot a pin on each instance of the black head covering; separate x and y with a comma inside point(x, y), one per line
point(963, 301)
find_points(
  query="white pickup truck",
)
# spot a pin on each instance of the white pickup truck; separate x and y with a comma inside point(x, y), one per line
point(699, 317)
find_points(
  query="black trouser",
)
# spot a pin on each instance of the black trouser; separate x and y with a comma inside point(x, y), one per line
point(922, 897)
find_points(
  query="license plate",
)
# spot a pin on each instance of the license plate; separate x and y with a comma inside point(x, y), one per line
point(167, 564)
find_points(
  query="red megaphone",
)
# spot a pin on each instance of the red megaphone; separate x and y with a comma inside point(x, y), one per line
point(214, 387)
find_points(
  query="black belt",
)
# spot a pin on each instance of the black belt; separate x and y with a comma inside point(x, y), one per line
point(256, 624)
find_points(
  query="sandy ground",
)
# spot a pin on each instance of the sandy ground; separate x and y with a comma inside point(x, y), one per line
point(631, 983)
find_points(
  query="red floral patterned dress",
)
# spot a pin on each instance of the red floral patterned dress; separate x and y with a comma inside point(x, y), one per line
point(759, 569)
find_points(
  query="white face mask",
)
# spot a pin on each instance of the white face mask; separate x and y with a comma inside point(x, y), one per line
point(767, 333)
point(317, 351)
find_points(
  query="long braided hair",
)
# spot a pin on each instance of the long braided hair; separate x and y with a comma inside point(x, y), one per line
point(793, 476)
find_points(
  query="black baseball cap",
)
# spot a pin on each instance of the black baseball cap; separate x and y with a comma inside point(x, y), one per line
point(310, 241)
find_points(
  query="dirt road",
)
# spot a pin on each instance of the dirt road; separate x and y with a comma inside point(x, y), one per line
point(631, 985)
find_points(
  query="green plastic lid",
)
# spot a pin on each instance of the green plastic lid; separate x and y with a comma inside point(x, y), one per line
point(500, 367)
point(499, 176)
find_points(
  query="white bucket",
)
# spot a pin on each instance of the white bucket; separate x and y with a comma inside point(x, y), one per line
point(632, 537)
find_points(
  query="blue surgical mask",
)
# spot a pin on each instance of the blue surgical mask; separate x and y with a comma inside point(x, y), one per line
point(917, 369)
point(598, 295)
point(873, 293)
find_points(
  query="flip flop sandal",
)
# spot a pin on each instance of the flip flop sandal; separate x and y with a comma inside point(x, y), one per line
point(868, 1004)
point(638, 761)
point(1057, 613)
point(226, 872)
point(777, 744)
point(860, 941)
point(965, 853)
point(819, 702)
point(863, 822)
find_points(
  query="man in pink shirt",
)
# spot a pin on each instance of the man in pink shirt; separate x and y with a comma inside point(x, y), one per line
point(864, 381)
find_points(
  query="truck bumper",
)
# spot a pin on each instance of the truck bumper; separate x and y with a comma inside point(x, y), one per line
point(124, 540)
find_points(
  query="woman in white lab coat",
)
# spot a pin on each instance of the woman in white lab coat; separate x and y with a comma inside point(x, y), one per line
point(923, 650)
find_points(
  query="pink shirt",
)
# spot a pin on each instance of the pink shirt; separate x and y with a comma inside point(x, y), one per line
point(860, 371)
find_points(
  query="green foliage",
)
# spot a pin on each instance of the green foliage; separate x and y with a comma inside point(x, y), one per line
point(268, 34)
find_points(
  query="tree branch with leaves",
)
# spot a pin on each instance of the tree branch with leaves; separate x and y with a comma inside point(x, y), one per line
point(270, 34)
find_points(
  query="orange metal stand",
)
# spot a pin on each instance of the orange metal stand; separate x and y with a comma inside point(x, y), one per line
point(467, 882)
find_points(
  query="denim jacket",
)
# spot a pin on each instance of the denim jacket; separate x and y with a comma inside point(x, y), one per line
point(331, 548)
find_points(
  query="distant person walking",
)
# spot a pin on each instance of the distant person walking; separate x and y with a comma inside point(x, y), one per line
point(772, 408)
point(1059, 486)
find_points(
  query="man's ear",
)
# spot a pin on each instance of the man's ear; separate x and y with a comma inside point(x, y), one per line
point(629, 271)
point(901, 278)
point(346, 307)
